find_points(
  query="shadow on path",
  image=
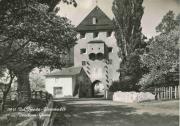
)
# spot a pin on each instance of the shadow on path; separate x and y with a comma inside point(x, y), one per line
point(85, 113)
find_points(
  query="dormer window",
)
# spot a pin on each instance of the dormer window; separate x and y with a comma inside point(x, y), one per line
point(95, 34)
point(94, 20)
point(108, 34)
point(82, 35)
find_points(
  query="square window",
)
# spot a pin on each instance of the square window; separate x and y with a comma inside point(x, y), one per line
point(110, 49)
point(82, 51)
point(95, 34)
point(82, 35)
point(108, 34)
point(83, 63)
point(58, 90)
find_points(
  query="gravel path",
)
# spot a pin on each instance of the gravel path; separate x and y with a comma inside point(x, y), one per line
point(99, 112)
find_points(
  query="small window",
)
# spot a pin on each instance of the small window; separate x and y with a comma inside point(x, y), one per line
point(110, 49)
point(95, 34)
point(58, 91)
point(82, 35)
point(82, 51)
point(108, 34)
point(83, 63)
point(110, 61)
point(94, 20)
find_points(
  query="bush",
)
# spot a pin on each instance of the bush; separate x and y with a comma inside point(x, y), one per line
point(124, 85)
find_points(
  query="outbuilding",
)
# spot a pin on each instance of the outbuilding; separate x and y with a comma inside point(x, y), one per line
point(69, 82)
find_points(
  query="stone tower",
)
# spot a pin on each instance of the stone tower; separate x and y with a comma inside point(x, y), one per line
point(96, 49)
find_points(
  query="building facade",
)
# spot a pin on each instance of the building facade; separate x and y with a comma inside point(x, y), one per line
point(96, 49)
point(69, 82)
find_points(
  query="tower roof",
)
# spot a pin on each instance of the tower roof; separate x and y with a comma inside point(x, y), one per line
point(103, 21)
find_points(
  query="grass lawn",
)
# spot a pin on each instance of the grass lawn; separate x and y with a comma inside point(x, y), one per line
point(96, 112)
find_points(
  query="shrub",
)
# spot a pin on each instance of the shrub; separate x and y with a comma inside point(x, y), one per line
point(124, 85)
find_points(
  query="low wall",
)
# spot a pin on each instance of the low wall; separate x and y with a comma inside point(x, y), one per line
point(131, 97)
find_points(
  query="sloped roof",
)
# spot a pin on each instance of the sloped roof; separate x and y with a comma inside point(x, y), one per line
point(66, 72)
point(104, 22)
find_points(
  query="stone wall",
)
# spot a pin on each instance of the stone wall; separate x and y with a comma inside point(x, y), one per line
point(131, 97)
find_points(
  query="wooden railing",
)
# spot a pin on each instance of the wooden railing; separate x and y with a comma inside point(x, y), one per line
point(41, 95)
point(167, 93)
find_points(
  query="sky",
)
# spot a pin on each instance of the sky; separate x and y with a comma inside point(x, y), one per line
point(153, 12)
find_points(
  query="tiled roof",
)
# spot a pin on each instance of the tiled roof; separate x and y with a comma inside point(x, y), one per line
point(66, 72)
point(103, 21)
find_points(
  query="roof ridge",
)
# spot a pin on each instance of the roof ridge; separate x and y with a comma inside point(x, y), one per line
point(104, 22)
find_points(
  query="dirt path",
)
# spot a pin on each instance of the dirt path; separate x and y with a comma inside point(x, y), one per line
point(98, 112)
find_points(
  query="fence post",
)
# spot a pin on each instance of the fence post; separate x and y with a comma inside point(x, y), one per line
point(40, 93)
point(35, 94)
point(169, 96)
point(175, 92)
point(158, 93)
point(171, 92)
point(155, 92)
point(167, 93)
point(161, 93)
point(164, 93)
point(178, 91)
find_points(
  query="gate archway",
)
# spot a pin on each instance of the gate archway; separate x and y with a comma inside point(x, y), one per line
point(97, 89)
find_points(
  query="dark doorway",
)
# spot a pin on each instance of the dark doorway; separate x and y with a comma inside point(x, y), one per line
point(97, 89)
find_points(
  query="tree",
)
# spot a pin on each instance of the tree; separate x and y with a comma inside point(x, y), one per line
point(162, 58)
point(5, 88)
point(128, 32)
point(168, 23)
point(32, 37)
point(7, 7)
point(128, 15)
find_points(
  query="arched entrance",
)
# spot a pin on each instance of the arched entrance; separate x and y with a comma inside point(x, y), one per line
point(97, 89)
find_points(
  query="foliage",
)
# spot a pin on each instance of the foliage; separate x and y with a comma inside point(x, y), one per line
point(131, 72)
point(37, 82)
point(2, 70)
point(52, 3)
point(35, 36)
point(162, 58)
point(128, 15)
point(124, 85)
point(133, 65)
point(168, 23)
point(32, 36)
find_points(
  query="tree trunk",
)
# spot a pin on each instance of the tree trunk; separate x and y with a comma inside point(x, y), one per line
point(6, 90)
point(3, 101)
point(23, 88)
